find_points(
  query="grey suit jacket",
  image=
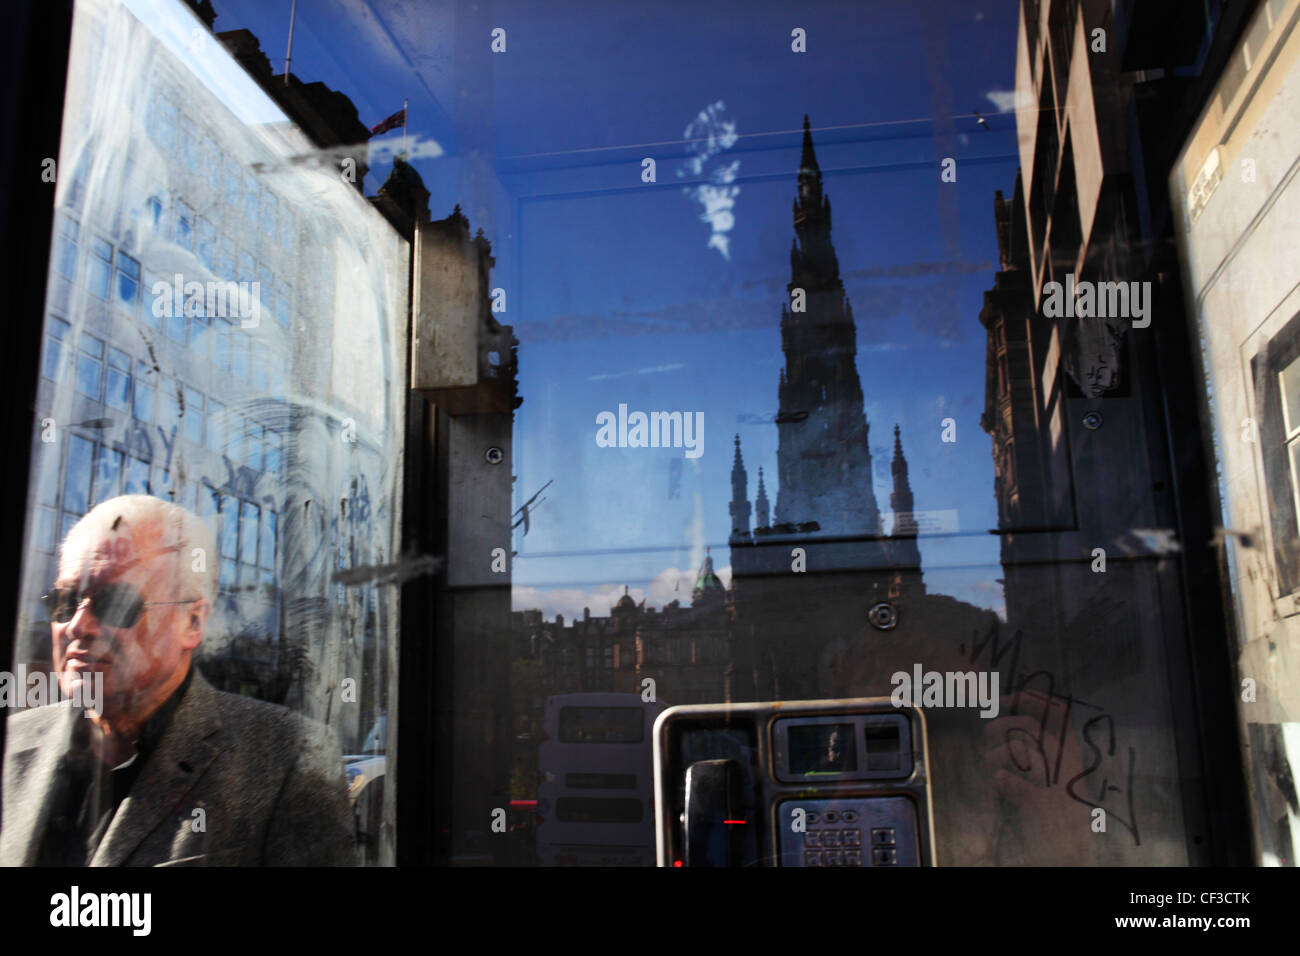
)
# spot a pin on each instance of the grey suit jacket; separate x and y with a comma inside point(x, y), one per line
point(269, 784)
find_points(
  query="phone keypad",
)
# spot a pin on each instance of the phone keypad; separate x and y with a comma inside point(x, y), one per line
point(838, 847)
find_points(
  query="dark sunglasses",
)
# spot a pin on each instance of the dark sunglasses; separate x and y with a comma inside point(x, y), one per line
point(115, 605)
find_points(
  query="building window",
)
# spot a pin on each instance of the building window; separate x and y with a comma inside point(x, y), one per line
point(200, 336)
point(216, 426)
point(99, 268)
point(136, 480)
point(249, 522)
point(80, 174)
point(143, 399)
point(76, 477)
point(229, 541)
point(67, 247)
point(43, 529)
point(128, 278)
point(1276, 372)
point(148, 298)
point(207, 243)
point(273, 452)
point(108, 474)
point(185, 226)
point(90, 366)
point(118, 393)
point(226, 261)
point(169, 409)
point(193, 419)
point(253, 445)
point(56, 334)
point(154, 209)
point(1289, 383)
point(235, 437)
point(176, 323)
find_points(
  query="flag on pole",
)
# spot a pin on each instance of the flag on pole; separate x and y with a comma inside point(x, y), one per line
point(394, 121)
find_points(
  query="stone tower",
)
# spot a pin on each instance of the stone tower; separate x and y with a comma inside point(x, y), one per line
point(823, 461)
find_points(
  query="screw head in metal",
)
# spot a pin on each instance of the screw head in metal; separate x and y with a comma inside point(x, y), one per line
point(883, 616)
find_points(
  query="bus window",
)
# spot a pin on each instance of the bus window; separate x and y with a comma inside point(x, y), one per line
point(596, 796)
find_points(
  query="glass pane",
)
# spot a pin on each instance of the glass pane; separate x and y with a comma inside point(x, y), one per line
point(248, 526)
point(1291, 395)
point(168, 130)
point(267, 553)
point(119, 390)
point(57, 331)
point(108, 474)
point(76, 479)
point(90, 366)
point(128, 278)
point(142, 406)
point(216, 426)
point(137, 477)
point(194, 416)
point(99, 267)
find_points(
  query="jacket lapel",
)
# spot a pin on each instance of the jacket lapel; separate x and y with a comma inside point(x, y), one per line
point(29, 779)
point(189, 745)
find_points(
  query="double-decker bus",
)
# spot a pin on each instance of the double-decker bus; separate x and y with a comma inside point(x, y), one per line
point(596, 796)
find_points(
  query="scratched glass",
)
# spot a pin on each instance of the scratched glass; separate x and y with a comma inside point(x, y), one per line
point(261, 459)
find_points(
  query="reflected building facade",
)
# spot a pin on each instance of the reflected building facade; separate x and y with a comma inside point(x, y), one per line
point(683, 649)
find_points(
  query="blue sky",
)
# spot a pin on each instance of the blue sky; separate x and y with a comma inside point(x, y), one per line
point(612, 287)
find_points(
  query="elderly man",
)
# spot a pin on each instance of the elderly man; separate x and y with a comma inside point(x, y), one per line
point(168, 770)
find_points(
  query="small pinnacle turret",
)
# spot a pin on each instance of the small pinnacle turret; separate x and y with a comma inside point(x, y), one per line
point(740, 507)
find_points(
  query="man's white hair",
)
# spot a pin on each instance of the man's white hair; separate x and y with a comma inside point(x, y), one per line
point(153, 519)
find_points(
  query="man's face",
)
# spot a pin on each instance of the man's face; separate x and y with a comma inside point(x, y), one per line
point(140, 664)
point(833, 749)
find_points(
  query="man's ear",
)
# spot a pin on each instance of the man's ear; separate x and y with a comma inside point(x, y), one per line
point(196, 623)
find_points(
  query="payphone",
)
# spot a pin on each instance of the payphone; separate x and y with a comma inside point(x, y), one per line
point(794, 783)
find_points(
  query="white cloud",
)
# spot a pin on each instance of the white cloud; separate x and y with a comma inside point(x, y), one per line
point(1007, 100)
point(653, 369)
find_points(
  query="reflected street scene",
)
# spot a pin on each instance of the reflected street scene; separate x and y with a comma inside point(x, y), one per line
point(736, 436)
